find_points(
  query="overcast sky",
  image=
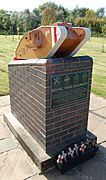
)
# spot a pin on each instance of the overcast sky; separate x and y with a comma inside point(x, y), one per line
point(20, 5)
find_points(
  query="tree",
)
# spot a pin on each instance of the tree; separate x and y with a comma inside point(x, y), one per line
point(79, 21)
point(77, 16)
point(37, 17)
point(90, 18)
point(62, 14)
point(78, 12)
point(104, 27)
point(27, 20)
point(48, 16)
point(20, 23)
point(48, 5)
point(100, 12)
point(48, 13)
point(13, 22)
point(51, 13)
point(4, 22)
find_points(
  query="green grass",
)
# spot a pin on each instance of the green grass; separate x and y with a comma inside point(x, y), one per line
point(92, 48)
point(7, 52)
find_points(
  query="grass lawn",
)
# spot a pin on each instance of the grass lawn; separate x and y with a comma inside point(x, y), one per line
point(92, 48)
point(7, 49)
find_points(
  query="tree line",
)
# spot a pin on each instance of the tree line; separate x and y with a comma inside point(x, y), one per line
point(12, 22)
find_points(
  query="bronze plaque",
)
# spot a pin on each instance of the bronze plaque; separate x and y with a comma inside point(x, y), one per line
point(69, 88)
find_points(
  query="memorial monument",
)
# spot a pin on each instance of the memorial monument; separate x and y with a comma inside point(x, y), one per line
point(50, 93)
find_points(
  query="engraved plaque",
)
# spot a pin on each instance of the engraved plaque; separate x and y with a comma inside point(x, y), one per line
point(69, 88)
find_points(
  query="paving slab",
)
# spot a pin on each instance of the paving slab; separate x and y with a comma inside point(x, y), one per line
point(4, 104)
point(100, 132)
point(4, 109)
point(101, 113)
point(4, 100)
point(4, 131)
point(94, 122)
point(31, 146)
point(7, 144)
point(14, 165)
point(97, 102)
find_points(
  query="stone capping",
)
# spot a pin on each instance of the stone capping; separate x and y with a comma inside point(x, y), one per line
point(41, 62)
point(31, 62)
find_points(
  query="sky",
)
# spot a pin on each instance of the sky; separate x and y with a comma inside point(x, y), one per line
point(20, 5)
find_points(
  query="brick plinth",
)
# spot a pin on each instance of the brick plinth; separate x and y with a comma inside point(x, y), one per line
point(49, 115)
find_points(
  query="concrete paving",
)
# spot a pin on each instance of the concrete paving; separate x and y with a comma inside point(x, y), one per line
point(15, 164)
point(4, 104)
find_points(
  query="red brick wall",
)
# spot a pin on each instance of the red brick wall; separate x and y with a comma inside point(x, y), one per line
point(30, 97)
